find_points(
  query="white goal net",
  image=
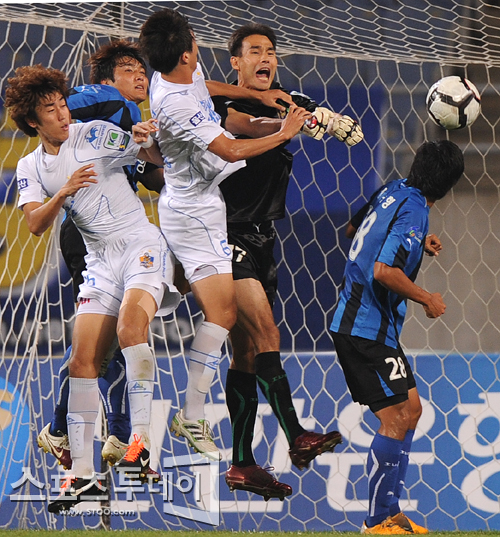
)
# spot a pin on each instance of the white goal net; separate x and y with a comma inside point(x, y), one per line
point(373, 60)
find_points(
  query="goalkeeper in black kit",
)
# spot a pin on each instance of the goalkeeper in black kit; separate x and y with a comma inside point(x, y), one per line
point(255, 197)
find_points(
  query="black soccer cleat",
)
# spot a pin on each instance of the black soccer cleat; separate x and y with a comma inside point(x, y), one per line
point(135, 463)
point(75, 490)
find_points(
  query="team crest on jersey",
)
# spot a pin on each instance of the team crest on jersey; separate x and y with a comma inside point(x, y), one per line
point(22, 184)
point(197, 119)
point(146, 260)
point(94, 136)
point(117, 140)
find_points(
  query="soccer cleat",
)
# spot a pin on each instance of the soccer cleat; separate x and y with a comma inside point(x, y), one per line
point(198, 434)
point(256, 479)
point(405, 522)
point(57, 445)
point(152, 475)
point(76, 490)
point(309, 445)
point(135, 462)
point(388, 527)
point(113, 450)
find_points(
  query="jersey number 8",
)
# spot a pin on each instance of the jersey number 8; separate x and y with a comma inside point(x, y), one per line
point(359, 238)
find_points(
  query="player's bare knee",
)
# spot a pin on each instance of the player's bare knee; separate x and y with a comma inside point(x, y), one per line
point(81, 368)
point(131, 331)
point(225, 317)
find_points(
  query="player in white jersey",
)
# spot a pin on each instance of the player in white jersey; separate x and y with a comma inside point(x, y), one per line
point(198, 154)
point(129, 267)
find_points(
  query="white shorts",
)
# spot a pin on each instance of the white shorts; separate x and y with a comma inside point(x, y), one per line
point(197, 235)
point(140, 260)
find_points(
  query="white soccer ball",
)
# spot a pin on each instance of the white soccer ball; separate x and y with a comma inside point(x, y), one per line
point(453, 102)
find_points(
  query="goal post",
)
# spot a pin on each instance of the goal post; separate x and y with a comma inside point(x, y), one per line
point(375, 62)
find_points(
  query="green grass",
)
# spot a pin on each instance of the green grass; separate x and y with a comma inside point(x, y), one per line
point(147, 533)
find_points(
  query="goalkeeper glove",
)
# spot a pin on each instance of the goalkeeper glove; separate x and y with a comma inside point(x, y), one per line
point(317, 125)
point(345, 129)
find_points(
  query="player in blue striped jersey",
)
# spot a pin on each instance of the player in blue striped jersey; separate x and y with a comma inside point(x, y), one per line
point(390, 237)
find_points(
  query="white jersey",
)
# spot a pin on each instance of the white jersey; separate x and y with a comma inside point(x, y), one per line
point(102, 209)
point(187, 124)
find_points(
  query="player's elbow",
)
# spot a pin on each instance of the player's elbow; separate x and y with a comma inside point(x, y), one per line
point(33, 225)
point(227, 149)
point(350, 231)
point(381, 273)
point(233, 156)
point(229, 153)
point(36, 230)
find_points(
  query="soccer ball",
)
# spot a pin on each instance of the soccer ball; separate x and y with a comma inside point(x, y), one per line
point(453, 102)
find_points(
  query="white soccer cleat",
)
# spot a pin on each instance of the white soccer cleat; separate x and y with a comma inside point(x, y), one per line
point(113, 450)
point(198, 434)
point(57, 445)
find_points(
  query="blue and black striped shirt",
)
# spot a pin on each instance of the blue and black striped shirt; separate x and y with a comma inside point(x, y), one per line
point(392, 231)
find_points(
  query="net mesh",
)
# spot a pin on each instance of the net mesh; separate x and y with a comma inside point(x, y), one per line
point(375, 62)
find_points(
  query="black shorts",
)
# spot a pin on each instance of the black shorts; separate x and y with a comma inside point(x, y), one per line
point(73, 251)
point(377, 375)
point(253, 257)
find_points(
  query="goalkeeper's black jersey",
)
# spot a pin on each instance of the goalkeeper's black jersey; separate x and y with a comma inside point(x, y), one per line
point(257, 192)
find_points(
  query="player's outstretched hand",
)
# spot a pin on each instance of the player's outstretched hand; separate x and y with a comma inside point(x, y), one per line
point(435, 307)
point(345, 129)
point(432, 245)
point(316, 126)
point(141, 132)
point(82, 178)
point(294, 121)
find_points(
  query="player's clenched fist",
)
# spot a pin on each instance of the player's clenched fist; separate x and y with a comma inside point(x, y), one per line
point(345, 129)
point(317, 125)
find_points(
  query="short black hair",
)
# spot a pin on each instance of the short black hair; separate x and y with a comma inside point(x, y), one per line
point(235, 42)
point(436, 168)
point(105, 60)
point(165, 36)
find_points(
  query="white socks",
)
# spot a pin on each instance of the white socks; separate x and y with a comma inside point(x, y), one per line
point(140, 378)
point(203, 363)
point(83, 406)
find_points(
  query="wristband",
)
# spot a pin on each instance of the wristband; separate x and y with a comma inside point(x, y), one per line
point(148, 143)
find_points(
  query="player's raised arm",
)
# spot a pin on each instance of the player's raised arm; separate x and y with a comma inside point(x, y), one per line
point(269, 98)
point(238, 123)
point(234, 150)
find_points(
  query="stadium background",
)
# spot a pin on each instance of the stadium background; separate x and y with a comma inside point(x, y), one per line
point(454, 481)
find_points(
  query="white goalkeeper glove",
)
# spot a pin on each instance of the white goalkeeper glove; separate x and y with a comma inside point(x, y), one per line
point(345, 129)
point(317, 125)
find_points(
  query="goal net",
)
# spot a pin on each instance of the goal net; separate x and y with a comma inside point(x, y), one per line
point(373, 61)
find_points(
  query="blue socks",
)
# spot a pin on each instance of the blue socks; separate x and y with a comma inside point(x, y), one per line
point(404, 460)
point(113, 388)
point(383, 473)
point(113, 393)
point(58, 424)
